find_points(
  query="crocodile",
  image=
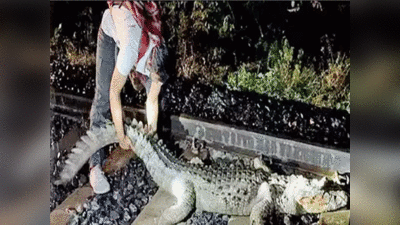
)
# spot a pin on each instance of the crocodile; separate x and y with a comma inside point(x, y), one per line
point(230, 190)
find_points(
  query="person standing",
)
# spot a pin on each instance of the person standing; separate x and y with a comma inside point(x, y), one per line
point(129, 44)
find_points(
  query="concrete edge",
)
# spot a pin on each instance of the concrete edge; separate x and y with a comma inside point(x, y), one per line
point(284, 149)
point(229, 138)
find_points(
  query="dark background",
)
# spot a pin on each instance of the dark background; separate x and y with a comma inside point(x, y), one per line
point(24, 99)
point(308, 29)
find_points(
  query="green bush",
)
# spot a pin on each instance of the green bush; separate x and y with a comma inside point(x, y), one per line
point(284, 76)
point(193, 27)
point(80, 49)
point(334, 86)
point(225, 42)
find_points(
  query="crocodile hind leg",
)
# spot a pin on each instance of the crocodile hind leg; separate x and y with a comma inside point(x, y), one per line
point(184, 193)
point(263, 206)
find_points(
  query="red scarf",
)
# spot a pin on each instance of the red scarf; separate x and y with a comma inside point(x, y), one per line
point(148, 16)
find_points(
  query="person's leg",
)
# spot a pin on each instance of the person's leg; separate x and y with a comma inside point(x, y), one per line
point(100, 111)
point(105, 63)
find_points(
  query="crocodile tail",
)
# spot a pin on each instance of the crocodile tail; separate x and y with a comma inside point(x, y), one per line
point(94, 139)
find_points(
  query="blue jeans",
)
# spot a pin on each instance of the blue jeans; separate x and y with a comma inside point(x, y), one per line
point(106, 55)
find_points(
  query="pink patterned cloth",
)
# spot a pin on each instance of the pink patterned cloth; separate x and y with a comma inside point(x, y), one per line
point(148, 16)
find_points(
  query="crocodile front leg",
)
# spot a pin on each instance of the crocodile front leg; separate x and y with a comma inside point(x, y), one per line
point(184, 193)
point(263, 206)
point(259, 210)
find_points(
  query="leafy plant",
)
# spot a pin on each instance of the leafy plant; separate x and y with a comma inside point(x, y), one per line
point(334, 91)
point(81, 47)
point(196, 27)
point(287, 77)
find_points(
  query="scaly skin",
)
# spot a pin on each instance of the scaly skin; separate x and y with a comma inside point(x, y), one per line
point(231, 191)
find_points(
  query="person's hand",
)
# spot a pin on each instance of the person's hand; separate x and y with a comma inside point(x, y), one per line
point(126, 143)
